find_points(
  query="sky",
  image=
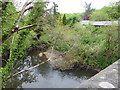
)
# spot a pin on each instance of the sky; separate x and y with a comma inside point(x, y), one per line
point(74, 6)
point(77, 6)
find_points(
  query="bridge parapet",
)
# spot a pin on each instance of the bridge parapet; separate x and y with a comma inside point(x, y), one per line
point(107, 78)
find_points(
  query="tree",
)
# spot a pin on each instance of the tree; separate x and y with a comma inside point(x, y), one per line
point(8, 18)
point(99, 15)
point(88, 8)
point(106, 13)
point(113, 11)
point(64, 20)
point(55, 9)
point(55, 13)
point(37, 11)
point(88, 11)
point(16, 41)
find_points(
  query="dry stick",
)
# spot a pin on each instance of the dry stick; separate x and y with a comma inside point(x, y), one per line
point(30, 67)
point(26, 27)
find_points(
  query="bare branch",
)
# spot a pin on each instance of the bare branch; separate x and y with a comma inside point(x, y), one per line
point(28, 9)
point(20, 15)
point(32, 66)
point(28, 3)
point(19, 30)
point(27, 27)
point(28, 69)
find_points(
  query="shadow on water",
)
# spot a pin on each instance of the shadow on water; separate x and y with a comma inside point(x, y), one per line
point(44, 76)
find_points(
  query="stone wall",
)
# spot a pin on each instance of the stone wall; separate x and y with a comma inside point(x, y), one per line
point(107, 78)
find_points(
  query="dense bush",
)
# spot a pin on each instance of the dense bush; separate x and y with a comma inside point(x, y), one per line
point(99, 15)
point(106, 13)
point(70, 19)
point(94, 46)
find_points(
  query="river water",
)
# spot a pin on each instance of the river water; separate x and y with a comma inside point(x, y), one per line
point(45, 76)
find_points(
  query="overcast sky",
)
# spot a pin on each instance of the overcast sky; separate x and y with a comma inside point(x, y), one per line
point(77, 6)
point(74, 6)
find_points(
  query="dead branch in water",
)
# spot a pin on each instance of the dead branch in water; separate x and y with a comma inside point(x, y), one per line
point(31, 67)
point(28, 69)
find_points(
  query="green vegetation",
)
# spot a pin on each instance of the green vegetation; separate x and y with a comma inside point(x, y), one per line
point(88, 11)
point(88, 45)
point(106, 13)
point(99, 15)
point(71, 19)
point(15, 43)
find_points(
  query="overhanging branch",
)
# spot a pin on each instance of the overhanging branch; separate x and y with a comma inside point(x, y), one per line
point(28, 9)
point(27, 27)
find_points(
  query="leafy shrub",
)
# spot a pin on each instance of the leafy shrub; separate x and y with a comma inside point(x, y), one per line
point(99, 15)
point(94, 46)
point(106, 13)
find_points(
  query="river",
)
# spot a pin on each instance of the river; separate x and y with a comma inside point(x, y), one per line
point(45, 76)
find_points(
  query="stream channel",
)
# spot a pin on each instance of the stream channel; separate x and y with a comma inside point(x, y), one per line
point(45, 76)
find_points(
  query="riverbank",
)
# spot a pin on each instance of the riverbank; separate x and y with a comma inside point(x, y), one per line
point(60, 62)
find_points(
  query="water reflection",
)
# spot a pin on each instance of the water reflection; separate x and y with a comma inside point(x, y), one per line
point(44, 76)
point(17, 81)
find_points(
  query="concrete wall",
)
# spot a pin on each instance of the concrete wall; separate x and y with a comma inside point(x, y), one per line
point(98, 23)
point(107, 78)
